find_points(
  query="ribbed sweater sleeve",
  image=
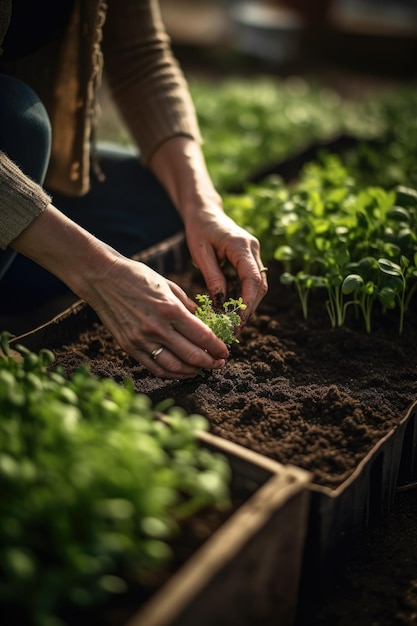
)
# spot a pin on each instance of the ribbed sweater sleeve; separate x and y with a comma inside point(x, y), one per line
point(146, 80)
point(21, 200)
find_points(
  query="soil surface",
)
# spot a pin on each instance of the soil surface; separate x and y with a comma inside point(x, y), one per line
point(320, 398)
point(297, 391)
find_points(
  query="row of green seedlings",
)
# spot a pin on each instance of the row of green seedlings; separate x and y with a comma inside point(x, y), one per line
point(358, 244)
point(255, 123)
point(95, 487)
point(391, 160)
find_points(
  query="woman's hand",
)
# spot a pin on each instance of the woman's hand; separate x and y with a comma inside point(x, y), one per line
point(212, 238)
point(150, 315)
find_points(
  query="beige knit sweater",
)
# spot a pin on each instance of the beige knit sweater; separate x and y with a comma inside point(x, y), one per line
point(128, 40)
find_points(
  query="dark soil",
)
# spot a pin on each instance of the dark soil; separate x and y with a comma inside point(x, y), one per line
point(320, 398)
point(297, 391)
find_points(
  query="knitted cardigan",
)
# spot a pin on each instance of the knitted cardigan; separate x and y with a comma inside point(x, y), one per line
point(127, 39)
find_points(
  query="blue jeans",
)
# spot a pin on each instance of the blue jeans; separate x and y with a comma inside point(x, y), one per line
point(130, 210)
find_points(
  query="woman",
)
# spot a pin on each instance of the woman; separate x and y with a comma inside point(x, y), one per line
point(75, 216)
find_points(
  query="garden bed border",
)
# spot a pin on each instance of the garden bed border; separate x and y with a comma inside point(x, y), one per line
point(249, 569)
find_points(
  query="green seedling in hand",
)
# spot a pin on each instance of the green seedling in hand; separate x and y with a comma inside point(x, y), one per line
point(222, 324)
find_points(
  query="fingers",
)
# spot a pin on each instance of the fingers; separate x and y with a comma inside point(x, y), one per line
point(208, 264)
point(180, 348)
point(244, 254)
point(254, 279)
point(166, 362)
point(191, 305)
point(163, 363)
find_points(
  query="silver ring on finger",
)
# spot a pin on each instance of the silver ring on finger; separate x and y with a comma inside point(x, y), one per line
point(155, 353)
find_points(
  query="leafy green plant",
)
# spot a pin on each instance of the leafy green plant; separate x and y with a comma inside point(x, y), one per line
point(328, 233)
point(94, 486)
point(223, 324)
point(253, 123)
point(390, 161)
point(362, 284)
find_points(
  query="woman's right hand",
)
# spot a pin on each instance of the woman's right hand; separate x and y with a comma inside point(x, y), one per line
point(146, 312)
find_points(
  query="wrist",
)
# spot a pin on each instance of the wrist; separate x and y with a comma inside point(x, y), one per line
point(205, 205)
point(66, 250)
point(180, 167)
point(91, 264)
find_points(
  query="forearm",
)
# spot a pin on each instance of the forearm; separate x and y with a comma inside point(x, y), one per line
point(180, 167)
point(65, 249)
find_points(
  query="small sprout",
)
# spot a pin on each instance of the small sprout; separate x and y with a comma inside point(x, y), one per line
point(304, 284)
point(364, 293)
point(401, 275)
point(222, 324)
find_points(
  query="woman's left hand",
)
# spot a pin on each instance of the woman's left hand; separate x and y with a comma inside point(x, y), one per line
point(213, 238)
